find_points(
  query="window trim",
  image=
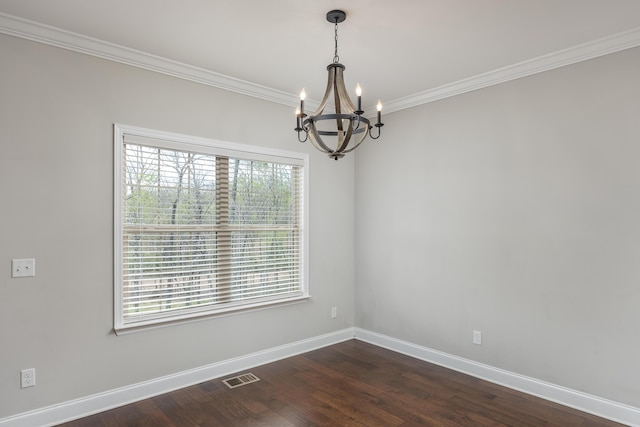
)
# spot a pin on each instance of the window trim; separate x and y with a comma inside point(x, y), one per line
point(171, 141)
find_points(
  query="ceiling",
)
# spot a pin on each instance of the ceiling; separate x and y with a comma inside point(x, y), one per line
point(404, 52)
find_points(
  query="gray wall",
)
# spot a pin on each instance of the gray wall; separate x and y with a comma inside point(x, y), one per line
point(513, 210)
point(57, 110)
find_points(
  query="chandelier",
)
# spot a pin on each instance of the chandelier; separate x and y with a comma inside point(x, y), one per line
point(346, 125)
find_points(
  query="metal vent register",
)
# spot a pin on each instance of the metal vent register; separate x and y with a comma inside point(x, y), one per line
point(241, 380)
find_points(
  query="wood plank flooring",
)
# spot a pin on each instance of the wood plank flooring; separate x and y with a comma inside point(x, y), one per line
point(347, 384)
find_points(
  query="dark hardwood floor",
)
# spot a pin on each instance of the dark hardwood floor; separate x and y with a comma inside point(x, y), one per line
point(347, 384)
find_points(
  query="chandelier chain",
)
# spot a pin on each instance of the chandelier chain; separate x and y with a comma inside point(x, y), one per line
point(336, 58)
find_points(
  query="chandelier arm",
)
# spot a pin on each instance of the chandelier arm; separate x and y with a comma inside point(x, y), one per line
point(344, 138)
point(362, 138)
point(316, 140)
point(342, 93)
point(357, 123)
point(338, 110)
point(306, 136)
point(337, 105)
point(327, 92)
point(379, 126)
point(340, 133)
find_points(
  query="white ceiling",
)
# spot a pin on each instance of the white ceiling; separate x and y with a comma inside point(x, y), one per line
point(397, 50)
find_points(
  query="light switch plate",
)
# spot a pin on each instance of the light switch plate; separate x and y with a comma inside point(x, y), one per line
point(23, 267)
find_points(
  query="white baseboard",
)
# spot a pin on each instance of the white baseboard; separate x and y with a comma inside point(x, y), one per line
point(574, 399)
point(89, 405)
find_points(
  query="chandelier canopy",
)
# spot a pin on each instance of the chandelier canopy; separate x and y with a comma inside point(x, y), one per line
point(346, 125)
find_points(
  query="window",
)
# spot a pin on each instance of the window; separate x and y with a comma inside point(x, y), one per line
point(204, 227)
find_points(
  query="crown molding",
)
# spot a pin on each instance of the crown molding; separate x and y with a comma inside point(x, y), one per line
point(579, 53)
point(35, 31)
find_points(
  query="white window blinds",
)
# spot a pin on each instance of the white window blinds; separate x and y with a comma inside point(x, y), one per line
point(204, 229)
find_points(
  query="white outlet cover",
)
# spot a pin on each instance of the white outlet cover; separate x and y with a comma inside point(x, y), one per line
point(27, 378)
point(23, 267)
point(477, 337)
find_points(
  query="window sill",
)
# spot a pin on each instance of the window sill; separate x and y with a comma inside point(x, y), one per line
point(196, 317)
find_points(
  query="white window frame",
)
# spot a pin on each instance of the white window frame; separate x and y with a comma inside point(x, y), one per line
point(174, 141)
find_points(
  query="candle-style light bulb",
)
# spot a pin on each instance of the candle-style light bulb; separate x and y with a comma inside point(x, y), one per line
point(379, 108)
point(303, 95)
point(359, 94)
point(298, 118)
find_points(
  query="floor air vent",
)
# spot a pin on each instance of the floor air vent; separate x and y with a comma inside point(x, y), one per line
point(241, 380)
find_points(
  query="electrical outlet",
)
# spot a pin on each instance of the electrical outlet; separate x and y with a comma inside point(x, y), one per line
point(477, 337)
point(334, 312)
point(27, 378)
